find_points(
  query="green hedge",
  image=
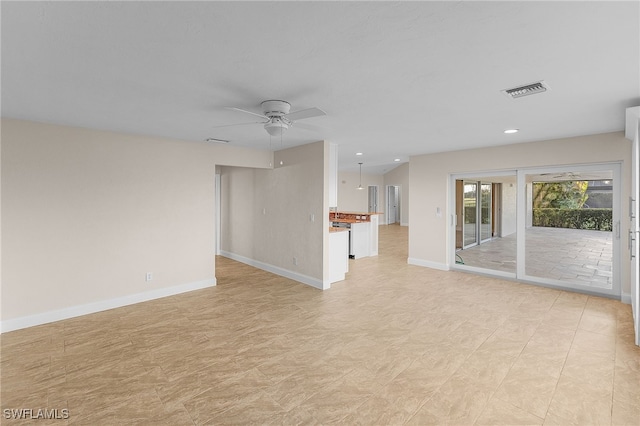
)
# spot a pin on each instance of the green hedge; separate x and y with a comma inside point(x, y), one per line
point(595, 219)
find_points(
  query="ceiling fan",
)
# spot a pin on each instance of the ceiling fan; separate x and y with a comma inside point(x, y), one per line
point(276, 116)
point(577, 176)
point(563, 175)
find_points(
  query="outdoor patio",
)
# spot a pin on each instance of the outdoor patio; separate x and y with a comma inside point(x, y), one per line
point(572, 255)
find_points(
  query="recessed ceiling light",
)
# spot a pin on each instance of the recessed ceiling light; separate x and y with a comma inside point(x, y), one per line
point(508, 131)
point(396, 159)
point(358, 153)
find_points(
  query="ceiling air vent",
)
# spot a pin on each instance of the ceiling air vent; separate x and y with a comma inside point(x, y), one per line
point(216, 140)
point(526, 90)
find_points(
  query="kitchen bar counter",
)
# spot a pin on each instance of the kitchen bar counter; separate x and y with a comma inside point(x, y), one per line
point(351, 217)
point(363, 231)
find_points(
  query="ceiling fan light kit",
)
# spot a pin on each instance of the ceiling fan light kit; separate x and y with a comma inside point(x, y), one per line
point(276, 127)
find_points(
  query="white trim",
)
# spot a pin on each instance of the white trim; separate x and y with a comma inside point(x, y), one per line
point(304, 279)
point(91, 308)
point(484, 271)
point(625, 298)
point(428, 264)
point(404, 223)
point(218, 198)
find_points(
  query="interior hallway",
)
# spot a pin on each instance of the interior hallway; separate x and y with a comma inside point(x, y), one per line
point(393, 344)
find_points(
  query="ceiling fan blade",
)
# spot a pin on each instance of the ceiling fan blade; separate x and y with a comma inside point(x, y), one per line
point(248, 112)
point(239, 124)
point(305, 126)
point(305, 113)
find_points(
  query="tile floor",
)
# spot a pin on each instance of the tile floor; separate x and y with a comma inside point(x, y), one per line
point(393, 344)
point(574, 255)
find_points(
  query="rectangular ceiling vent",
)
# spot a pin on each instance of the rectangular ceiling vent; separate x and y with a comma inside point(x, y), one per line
point(526, 90)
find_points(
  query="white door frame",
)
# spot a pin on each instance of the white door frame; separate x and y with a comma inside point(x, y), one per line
point(218, 211)
point(388, 200)
point(375, 206)
point(634, 232)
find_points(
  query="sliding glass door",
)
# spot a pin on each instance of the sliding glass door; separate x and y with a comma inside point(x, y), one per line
point(571, 227)
point(485, 216)
point(555, 226)
point(477, 213)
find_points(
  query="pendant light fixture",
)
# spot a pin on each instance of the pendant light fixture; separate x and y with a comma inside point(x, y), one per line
point(360, 186)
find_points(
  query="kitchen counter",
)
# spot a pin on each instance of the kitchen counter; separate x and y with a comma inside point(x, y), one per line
point(363, 231)
point(351, 217)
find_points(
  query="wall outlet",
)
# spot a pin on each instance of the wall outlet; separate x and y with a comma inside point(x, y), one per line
point(149, 276)
point(295, 260)
point(312, 217)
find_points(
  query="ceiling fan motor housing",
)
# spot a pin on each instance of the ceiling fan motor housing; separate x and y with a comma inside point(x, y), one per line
point(275, 108)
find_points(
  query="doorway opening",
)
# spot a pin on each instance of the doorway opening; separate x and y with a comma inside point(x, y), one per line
point(373, 199)
point(393, 204)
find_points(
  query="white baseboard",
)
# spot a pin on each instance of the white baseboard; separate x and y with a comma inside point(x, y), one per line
point(625, 298)
point(304, 279)
point(404, 223)
point(91, 308)
point(428, 264)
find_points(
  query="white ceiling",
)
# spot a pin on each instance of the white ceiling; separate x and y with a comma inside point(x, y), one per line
point(395, 78)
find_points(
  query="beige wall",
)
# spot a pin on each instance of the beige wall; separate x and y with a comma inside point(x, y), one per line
point(86, 213)
point(429, 181)
point(352, 199)
point(270, 217)
point(399, 177)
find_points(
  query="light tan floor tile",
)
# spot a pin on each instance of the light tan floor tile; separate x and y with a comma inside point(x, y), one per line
point(457, 401)
point(236, 392)
point(529, 391)
point(392, 344)
point(628, 356)
point(333, 403)
point(625, 413)
point(626, 385)
point(549, 338)
point(517, 329)
point(590, 369)
point(498, 412)
point(601, 345)
point(408, 393)
point(578, 403)
point(260, 409)
point(598, 324)
point(562, 316)
point(485, 368)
